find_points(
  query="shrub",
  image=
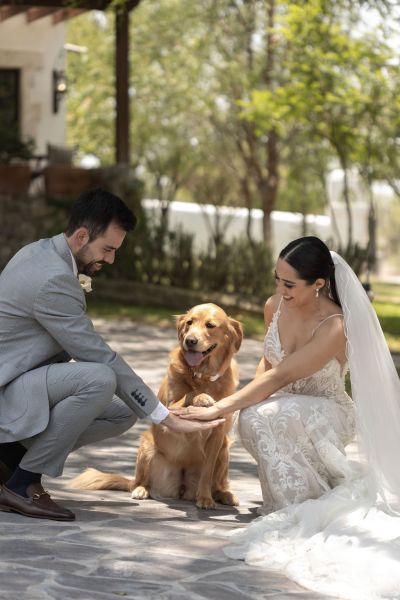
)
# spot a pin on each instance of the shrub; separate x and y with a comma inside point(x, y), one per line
point(153, 255)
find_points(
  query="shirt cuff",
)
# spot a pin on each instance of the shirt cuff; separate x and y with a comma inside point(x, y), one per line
point(160, 413)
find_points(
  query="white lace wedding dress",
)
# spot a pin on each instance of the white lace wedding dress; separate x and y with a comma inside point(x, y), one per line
point(298, 435)
point(339, 541)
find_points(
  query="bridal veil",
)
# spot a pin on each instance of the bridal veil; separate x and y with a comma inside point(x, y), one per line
point(347, 542)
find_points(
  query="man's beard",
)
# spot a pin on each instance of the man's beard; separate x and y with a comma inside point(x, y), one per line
point(86, 268)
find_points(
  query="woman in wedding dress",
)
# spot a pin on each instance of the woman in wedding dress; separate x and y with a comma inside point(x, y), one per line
point(329, 526)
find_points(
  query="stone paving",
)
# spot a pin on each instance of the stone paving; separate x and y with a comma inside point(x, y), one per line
point(120, 547)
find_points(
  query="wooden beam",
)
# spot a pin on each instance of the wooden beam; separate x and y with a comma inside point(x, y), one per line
point(16, 6)
point(122, 149)
point(131, 4)
point(6, 12)
point(87, 4)
point(33, 14)
point(67, 13)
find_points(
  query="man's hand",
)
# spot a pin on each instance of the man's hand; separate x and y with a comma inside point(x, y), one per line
point(185, 426)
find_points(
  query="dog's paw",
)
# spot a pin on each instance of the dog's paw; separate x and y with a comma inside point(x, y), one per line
point(205, 502)
point(140, 493)
point(226, 497)
point(203, 400)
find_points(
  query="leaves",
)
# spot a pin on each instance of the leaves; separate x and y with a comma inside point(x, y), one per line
point(227, 97)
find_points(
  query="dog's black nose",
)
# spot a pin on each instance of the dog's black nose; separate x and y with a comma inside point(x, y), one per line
point(191, 341)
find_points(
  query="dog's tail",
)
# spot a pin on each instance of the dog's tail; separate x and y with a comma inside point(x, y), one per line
point(91, 479)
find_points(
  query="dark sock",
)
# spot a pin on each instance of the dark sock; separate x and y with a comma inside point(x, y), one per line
point(11, 454)
point(20, 480)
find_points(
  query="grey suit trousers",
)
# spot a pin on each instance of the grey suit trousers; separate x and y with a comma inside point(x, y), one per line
point(83, 409)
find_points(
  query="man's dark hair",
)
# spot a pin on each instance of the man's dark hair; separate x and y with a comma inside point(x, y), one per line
point(95, 210)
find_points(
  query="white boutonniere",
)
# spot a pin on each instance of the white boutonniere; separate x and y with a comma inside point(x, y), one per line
point(86, 282)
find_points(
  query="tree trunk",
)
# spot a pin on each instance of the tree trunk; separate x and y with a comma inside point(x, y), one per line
point(372, 226)
point(122, 145)
point(304, 228)
point(346, 196)
point(267, 228)
point(164, 219)
point(269, 186)
point(249, 205)
point(335, 226)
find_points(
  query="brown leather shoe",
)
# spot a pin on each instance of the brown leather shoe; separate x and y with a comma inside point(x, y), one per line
point(38, 504)
point(5, 473)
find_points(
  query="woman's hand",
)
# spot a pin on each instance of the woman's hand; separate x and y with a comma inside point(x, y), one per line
point(183, 425)
point(198, 413)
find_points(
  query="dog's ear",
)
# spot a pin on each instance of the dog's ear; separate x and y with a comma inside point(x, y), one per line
point(179, 322)
point(236, 330)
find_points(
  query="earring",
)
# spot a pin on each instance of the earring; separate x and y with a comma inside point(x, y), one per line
point(317, 292)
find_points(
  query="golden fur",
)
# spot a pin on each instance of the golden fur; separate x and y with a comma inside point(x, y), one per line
point(192, 466)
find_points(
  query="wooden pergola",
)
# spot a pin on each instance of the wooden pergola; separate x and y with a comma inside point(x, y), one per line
point(65, 9)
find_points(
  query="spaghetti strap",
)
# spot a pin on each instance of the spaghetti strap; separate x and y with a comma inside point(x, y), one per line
point(330, 316)
point(276, 314)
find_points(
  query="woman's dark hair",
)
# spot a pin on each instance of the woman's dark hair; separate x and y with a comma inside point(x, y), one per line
point(311, 259)
point(95, 210)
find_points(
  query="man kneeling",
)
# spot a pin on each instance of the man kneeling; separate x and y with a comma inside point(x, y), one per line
point(48, 405)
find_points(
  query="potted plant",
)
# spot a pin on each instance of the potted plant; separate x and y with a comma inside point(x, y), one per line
point(15, 172)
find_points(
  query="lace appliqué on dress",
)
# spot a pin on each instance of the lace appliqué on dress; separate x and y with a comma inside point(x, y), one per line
point(298, 435)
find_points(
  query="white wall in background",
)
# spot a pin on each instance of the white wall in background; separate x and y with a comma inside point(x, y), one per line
point(193, 219)
point(286, 226)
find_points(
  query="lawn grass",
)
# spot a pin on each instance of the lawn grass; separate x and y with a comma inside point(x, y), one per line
point(387, 306)
point(386, 303)
point(152, 315)
point(164, 317)
point(386, 292)
point(389, 318)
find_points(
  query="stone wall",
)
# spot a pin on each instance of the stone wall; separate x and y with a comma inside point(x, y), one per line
point(24, 219)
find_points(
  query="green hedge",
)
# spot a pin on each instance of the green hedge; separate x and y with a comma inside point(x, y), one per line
point(161, 257)
point(153, 254)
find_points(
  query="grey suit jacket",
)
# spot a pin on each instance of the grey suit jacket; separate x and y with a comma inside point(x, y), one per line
point(43, 319)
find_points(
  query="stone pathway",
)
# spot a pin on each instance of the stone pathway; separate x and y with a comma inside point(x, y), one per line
point(121, 548)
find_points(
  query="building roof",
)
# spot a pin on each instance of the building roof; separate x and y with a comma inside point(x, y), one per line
point(59, 9)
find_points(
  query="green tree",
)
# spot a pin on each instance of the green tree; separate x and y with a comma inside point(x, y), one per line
point(326, 91)
point(90, 98)
point(258, 96)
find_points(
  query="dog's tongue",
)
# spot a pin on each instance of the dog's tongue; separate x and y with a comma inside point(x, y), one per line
point(193, 358)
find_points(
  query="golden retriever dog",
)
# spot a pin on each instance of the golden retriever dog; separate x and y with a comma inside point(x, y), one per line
point(191, 466)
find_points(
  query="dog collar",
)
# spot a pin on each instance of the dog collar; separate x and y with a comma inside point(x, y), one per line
point(215, 377)
point(211, 378)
